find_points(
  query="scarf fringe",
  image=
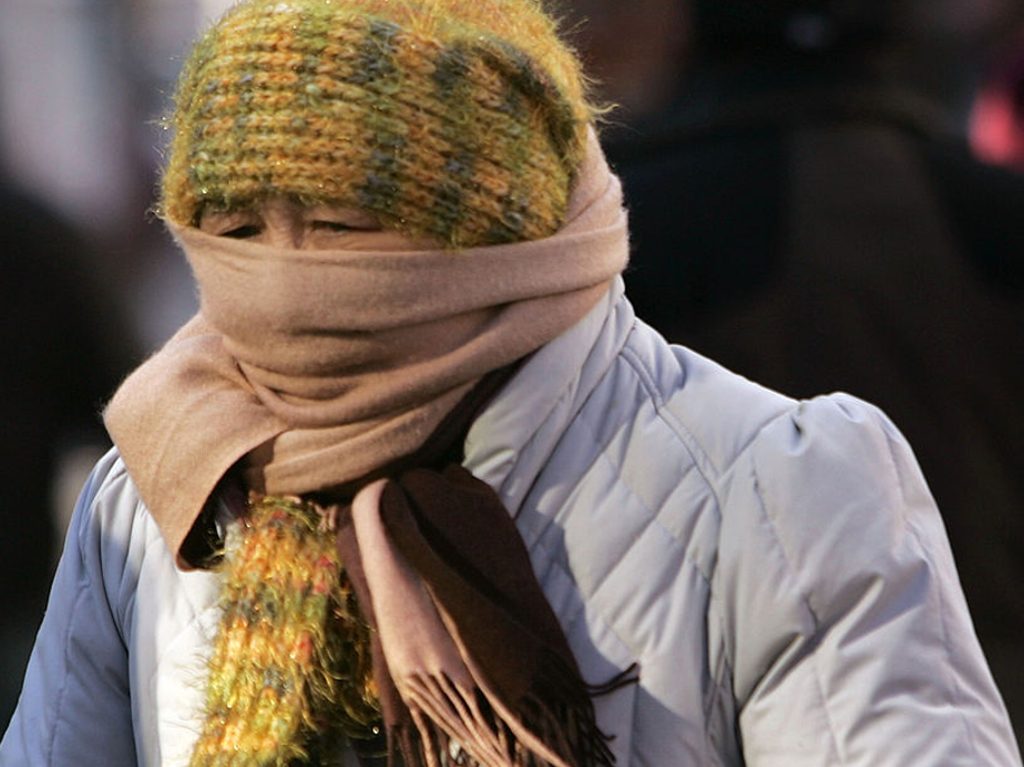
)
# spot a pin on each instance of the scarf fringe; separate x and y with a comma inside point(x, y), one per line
point(552, 725)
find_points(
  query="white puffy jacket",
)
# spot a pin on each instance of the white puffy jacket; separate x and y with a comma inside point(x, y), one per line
point(776, 569)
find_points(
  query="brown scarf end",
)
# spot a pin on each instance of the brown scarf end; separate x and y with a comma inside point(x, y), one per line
point(553, 725)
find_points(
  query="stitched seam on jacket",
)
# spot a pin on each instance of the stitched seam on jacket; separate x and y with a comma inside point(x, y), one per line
point(634, 360)
point(117, 474)
point(569, 392)
point(805, 599)
point(591, 618)
point(685, 437)
point(720, 672)
point(171, 645)
point(652, 514)
point(582, 613)
point(633, 720)
point(58, 719)
point(119, 609)
point(912, 531)
point(168, 645)
point(820, 685)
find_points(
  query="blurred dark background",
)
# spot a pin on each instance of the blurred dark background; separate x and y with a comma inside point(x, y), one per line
point(825, 195)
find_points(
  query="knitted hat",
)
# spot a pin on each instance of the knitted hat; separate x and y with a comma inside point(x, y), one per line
point(464, 120)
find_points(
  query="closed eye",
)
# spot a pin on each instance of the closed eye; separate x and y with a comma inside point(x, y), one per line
point(243, 232)
point(333, 226)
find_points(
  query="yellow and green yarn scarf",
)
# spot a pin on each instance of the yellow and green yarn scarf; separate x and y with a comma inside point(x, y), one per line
point(461, 120)
point(290, 672)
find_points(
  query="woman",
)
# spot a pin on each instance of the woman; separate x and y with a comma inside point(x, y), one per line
point(413, 332)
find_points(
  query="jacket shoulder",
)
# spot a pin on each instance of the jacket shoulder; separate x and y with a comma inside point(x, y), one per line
point(832, 486)
point(75, 705)
point(835, 595)
point(111, 528)
point(717, 413)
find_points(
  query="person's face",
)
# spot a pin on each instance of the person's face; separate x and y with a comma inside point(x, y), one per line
point(285, 223)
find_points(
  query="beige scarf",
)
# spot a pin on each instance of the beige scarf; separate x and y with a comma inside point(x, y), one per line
point(314, 367)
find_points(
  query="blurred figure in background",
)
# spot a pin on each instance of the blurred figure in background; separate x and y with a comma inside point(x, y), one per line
point(803, 215)
point(62, 361)
point(997, 117)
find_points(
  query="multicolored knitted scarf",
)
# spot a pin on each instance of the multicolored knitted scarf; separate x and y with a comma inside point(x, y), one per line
point(290, 670)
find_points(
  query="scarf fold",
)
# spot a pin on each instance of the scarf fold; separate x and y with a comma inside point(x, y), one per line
point(311, 368)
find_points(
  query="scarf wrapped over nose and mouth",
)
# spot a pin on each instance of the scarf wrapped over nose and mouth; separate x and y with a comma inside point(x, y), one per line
point(368, 581)
point(307, 370)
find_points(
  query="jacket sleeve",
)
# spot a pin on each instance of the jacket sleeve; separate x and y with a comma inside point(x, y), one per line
point(75, 705)
point(839, 604)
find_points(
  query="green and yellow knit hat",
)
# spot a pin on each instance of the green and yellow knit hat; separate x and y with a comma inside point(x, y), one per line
point(464, 120)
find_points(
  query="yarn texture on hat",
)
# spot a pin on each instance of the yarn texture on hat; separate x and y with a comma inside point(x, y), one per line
point(456, 120)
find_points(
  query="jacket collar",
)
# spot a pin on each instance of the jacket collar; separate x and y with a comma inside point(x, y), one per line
point(512, 439)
